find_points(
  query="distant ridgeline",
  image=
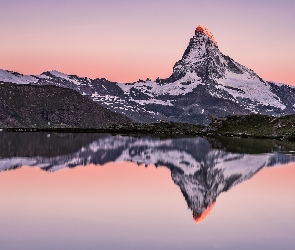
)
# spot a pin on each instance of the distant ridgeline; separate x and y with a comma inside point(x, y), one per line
point(203, 83)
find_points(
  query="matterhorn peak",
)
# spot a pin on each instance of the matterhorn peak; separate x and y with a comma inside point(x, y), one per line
point(202, 28)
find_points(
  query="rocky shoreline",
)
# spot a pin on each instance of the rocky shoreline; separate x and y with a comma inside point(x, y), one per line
point(248, 126)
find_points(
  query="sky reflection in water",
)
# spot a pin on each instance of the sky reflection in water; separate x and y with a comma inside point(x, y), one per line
point(113, 203)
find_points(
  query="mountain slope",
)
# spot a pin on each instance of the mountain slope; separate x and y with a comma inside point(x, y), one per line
point(46, 106)
point(203, 83)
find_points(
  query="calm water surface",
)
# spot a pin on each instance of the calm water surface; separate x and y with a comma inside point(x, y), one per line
point(98, 191)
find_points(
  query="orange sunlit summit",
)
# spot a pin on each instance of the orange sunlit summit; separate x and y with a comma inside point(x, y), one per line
point(202, 28)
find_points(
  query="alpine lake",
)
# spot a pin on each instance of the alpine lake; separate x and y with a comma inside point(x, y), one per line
point(91, 191)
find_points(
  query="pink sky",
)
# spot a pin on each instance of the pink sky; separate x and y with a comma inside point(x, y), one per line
point(127, 40)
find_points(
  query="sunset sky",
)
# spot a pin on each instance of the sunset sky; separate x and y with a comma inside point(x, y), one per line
point(124, 40)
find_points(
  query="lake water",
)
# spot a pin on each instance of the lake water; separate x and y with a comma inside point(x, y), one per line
point(98, 191)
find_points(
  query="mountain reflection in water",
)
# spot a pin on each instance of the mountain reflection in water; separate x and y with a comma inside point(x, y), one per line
point(201, 168)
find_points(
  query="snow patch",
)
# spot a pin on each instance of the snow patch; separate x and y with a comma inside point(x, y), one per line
point(152, 89)
point(247, 86)
point(13, 77)
point(64, 76)
point(154, 101)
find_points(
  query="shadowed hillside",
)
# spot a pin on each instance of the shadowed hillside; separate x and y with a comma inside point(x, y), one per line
point(51, 106)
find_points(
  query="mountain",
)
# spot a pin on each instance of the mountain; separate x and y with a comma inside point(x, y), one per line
point(201, 171)
point(50, 106)
point(203, 83)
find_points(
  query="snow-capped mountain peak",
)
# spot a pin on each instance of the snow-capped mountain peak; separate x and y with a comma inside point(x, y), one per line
point(203, 83)
point(201, 56)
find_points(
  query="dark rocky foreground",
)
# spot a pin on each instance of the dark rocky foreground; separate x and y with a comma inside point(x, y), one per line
point(29, 106)
point(162, 129)
point(248, 126)
point(256, 126)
